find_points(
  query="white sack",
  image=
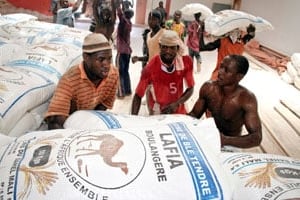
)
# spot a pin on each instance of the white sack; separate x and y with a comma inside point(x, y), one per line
point(18, 17)
point(225, 21)
point(297, 82)
point(286, 77)
point(49, 60)
point(30, 121)
point(175, 161)
point(30, 32)
point(262, 176)
point(5, 140)
point(104, 120)
point(8, 50)
point(292, 71)
point(295, 59)
point(20, 91)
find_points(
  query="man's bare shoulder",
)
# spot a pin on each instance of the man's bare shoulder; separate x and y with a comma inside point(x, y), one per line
point(246, 93)
point(210, 84)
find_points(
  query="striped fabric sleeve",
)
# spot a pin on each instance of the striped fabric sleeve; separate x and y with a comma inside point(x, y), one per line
point(61, 100)
point(110, 88)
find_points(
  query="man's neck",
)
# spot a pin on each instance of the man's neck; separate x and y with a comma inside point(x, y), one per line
point(229, 89)
point(156, 29)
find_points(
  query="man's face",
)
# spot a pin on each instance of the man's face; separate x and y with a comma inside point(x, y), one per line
point(228, 74)
point(99, 63)
point(177, 17)
point(168, 53)
point(153, 21)
point(64, 3)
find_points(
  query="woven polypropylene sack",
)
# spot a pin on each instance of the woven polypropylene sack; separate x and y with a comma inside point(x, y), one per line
point(173, 161)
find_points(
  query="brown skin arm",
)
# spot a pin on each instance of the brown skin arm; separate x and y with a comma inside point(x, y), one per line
point(136, 104)
point(56, 122)
point(250, 119)
point(135, 59)
point(200, 105)
point(172, 107)
point(253, 126)
point(76, 5)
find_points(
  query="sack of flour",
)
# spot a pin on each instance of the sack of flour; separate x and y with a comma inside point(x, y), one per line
point(4, 140)
point(225, 21)
point(262, 176)
point(104, 120)
point(21, 90)
point(18, 17)
point(175, 161)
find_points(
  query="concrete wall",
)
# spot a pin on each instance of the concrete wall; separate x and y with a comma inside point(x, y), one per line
point(284, 16)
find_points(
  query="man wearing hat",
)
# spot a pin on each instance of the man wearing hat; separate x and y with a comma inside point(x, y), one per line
point(166, 73)
point(91, 85)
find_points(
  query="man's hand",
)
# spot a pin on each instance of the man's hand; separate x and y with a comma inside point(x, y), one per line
point(56, 122)
point(134, 59)
point(170, 109)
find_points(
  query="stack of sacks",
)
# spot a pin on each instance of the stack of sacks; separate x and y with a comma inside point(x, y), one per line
point(8, 8)
point(172, 161)
point(48, 49)
point(23, 99)
point(16, 18)
point(34, 55)
point(262, 176)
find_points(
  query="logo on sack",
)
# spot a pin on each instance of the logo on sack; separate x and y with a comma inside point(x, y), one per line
point(107, 161)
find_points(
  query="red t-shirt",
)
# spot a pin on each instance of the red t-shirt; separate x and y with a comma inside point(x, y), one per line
point(168, 87)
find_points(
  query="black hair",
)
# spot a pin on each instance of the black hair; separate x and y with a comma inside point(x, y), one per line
point(242, 64)
point(128, 13)
point(156, 13)
point(251, 28)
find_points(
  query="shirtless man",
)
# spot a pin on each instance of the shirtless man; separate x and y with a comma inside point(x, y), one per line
point(231, 104)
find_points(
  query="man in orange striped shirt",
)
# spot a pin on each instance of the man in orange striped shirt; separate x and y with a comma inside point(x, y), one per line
point(90, 85)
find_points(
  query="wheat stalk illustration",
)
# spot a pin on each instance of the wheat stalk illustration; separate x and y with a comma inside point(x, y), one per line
point(260, 177)
point(39, 177)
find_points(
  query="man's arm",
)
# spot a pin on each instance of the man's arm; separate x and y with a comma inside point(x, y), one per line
point(253, 127)
point(200, 105)
point(76, 5)
point(172, 107)
point(136, 104)
point(135, 59)
point(209, 46)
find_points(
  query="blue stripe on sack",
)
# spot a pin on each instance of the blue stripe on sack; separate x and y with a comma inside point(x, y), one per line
point(110, 121)
point(258, 161)
point(20, 97)
point(47, 83)
point(71, 41)
point(183, 136)
point(36, 65)
point(221, 23)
